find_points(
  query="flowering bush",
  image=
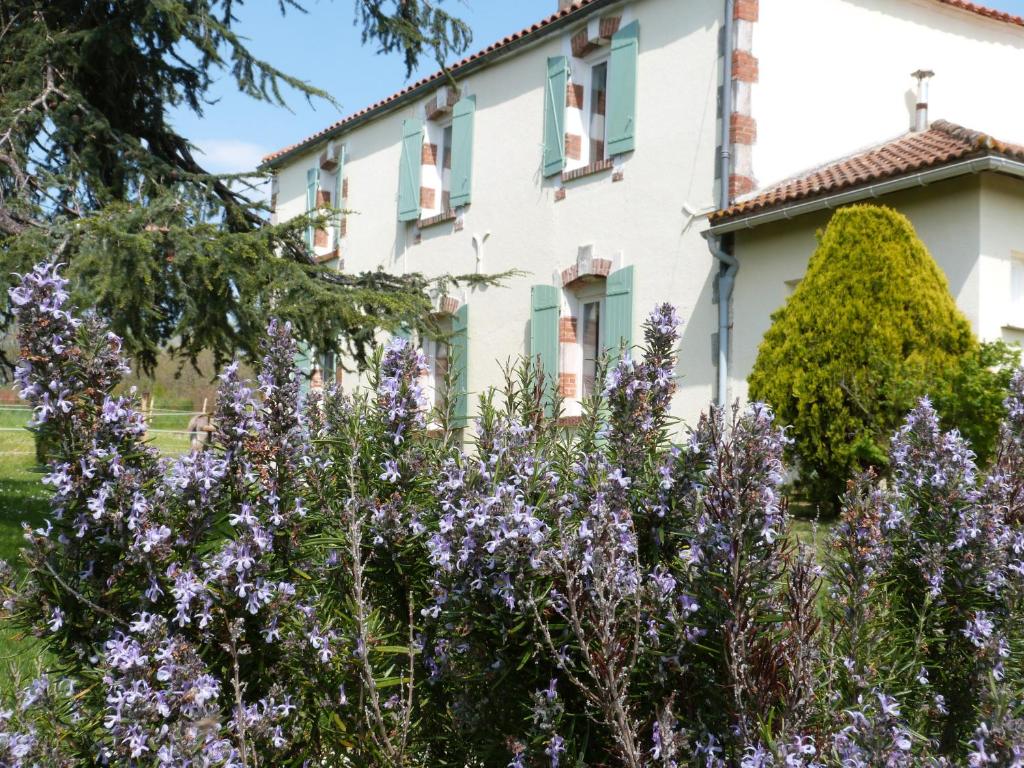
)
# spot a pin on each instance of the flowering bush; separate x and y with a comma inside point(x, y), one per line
point(331, 582)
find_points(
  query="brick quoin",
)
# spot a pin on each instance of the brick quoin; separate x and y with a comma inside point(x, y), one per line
point(609, 26)
point(567, 329)
point(344, 187)
point(427, 197)
point(743, 129)
point(560, 194)
point(429, 154)
point(567, 384)
point(740, 185)
point(574, 95)
point(746, 10)
point(320, 238)
point(573, 146)
point(744, 66)
point(323, 198)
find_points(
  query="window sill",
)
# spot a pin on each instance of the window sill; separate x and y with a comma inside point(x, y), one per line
point(323, 258)
point(587, 170)
point(432, 221)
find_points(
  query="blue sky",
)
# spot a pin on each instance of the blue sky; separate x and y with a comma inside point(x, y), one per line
point(323, 47)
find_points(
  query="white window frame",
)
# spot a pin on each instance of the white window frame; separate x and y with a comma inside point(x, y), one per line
point(439, 178)
point(577, 119)
point(594, 60)
point(591, 291)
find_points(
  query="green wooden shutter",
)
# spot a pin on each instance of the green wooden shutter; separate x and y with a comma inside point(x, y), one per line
point(618, 309)
point(339, 181)
point(459, 358)
point(545, 306)
point(409, 171)
point(554, 115)
point(622, 67)
point(312, 185)
point(462, 151)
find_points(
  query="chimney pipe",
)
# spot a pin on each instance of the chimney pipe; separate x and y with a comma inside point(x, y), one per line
point(921, 118)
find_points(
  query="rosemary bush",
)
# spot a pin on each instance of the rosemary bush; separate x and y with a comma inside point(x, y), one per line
point(336, 580)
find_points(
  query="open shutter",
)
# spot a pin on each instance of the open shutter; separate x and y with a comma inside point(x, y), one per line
point(459, 359)
point(462, 151)
point(409, 171)
point(618, 325)
point(312, 184)
point(622, 68)
point(546, 304)
point(554, 115)
point(339, 182)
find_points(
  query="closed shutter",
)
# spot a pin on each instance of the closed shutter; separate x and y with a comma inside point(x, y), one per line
point(339, 187)
point(622, 69)
point(312, 185)
point(459, 360)
point(462, 151)
point(409, 171)
point(554, 115)
point(546, 303)
point(618, 326)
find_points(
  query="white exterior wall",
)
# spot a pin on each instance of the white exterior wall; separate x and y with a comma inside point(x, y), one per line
point(835, 76)
point(1002, 233)
point(958, 221)
point(638, 221)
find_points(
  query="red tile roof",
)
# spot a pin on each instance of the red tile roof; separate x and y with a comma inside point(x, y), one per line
point(943, 143)
point(539, 27)
point(982, 10)
point(439, 75)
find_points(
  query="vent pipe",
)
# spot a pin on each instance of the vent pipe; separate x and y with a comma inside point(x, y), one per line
point(921, 117)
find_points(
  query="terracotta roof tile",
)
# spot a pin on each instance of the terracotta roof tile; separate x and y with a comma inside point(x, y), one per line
point(941, 144)
point(982, 10)
point(453, 70)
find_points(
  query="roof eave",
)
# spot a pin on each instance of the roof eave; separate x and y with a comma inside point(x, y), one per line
point(907, 181)
point(483, 60)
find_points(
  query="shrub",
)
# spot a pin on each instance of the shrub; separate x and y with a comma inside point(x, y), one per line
point(336, 583)
point(869, 329)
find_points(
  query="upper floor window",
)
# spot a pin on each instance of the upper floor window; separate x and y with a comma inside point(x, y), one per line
point(590, 98)
point(435, 171)
point(596, 109)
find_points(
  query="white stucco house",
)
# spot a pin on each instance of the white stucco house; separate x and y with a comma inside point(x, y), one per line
point(589, 151)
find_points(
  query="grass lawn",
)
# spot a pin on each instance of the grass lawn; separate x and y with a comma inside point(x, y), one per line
point(23, 498)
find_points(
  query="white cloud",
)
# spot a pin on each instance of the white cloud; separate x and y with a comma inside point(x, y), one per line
point(229, 155)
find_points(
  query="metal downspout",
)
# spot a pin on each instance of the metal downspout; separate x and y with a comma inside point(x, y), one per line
point(728, 264)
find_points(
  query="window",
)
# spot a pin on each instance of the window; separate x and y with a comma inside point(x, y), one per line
point(446, 168)
point(437, 354)
point(596, 108)
point(589, 334)
point(1017, 289)
point(590, 99)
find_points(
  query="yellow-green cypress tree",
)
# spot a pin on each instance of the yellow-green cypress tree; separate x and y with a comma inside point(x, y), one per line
point(870, 328)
